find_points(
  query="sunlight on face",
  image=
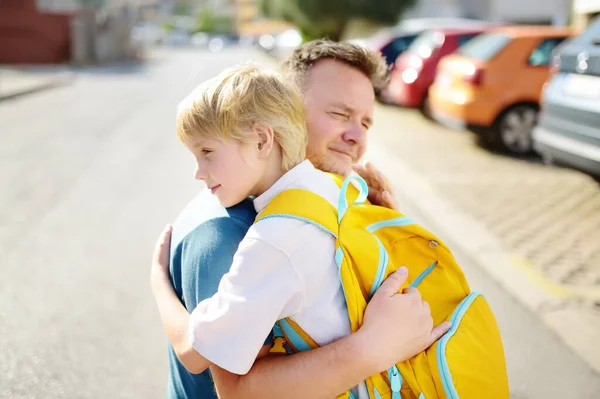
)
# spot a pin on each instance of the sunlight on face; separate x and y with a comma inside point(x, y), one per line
point(229, 170)
point(339, 102)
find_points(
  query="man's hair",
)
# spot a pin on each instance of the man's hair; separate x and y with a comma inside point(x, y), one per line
point(372, 64)
point(226, 107)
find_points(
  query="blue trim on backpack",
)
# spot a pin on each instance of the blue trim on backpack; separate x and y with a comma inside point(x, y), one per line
point(424, 274)
point(395, 381)
point(362, 195)
point(339, 258)
point(277, 333)
point(397, 222)
point(459, 312)
point(295, 339)
point(290, 216)
point(384, 260)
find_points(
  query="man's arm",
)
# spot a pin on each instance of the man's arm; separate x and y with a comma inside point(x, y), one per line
point(396, 327)
point(200, 261)
point(320, 373)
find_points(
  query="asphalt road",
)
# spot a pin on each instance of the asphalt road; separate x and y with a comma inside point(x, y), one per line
point(89, 175)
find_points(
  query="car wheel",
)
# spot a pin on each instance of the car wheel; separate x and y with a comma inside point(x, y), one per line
point(425, 108)
point(514, 128)
point(547, 158)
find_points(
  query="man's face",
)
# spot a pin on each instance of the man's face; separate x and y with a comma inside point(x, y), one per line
point(339, 102)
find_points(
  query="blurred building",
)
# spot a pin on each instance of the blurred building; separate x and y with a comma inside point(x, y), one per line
point(512, 11)
point(584, 11)
point(28, 35)
point(53, 31)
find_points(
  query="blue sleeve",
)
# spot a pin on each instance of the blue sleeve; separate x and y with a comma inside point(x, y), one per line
point(203, 257)
point(206, 255)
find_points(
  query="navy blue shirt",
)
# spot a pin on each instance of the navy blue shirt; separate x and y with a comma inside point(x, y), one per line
point(205, 237)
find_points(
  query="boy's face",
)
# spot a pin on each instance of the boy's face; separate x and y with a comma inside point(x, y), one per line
point(339, 102)
point(230, 170)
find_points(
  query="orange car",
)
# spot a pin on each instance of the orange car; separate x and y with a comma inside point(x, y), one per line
point(494, 82)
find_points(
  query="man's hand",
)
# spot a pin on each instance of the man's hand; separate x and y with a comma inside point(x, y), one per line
point(398, 326)
point(380, 188)
point(160, 259)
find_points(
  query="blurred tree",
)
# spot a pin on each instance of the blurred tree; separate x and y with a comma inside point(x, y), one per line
point(205, 20)
point(328, 18)
point(208, 21)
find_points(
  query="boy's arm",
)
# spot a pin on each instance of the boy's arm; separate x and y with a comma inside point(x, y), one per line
point(255, 291)
point(261, 287)
point(174, 316)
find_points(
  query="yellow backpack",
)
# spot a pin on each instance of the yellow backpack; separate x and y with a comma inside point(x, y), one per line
point(372, 242)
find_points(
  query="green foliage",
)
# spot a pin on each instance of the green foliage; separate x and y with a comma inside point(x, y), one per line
point(208, 22)
point(167, 27)
point(328, 18)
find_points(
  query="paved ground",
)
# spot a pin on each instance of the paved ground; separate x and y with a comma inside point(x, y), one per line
point(16, 82)
point(93, 172)
point(547, 215)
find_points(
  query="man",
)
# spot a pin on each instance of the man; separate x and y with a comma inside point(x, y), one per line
point(338, 81)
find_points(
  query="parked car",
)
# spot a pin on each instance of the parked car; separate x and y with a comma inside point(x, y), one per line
point(493, 84)
point(569, 126)
point(415, 68)
point(392, 42)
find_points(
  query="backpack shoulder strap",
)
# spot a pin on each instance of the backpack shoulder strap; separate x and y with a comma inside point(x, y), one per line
point(299, 340)
point(304, 205)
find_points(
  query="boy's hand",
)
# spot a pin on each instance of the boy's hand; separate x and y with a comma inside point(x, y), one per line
point(380, 188)
point(398, 325)
point(160, 259)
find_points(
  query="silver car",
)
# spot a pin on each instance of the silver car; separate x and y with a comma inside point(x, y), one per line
point(568, 129)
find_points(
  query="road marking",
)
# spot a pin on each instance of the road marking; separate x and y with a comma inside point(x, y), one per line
point(564, 291)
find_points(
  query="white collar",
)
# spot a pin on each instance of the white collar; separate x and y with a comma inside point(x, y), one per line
point(288, 179)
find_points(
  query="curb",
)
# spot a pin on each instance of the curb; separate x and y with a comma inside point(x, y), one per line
point(551, 302)
point(43, 84)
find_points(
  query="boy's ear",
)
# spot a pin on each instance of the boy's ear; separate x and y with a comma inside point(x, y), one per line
point(266, 137)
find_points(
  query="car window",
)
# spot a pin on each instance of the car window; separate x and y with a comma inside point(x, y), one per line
point(426, 43)
point(462, 40)
point(401, 44)
point(484, 47)
point(542, 55)
point(396, 47)
point(592, 33)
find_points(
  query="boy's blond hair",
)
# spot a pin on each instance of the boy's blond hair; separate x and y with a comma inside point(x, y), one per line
point(226, 107)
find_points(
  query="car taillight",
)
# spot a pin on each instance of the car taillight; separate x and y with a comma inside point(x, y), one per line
point(555, 65)
point(474, 77)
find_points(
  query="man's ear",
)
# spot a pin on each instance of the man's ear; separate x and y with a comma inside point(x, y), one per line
point(266, 138)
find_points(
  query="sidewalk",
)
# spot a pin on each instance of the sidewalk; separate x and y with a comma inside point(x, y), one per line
point(534, 229)
point(16, 82)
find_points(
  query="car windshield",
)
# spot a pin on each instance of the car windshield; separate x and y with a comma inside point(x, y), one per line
point(426, 43)
point(592, 34)
point(484, 47)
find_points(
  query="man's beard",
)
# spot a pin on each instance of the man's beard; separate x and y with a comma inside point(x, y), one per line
point(324, 163)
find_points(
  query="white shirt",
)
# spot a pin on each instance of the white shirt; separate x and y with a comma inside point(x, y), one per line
point(282, 268)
